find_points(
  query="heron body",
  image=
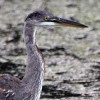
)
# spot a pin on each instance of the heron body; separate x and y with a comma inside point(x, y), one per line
point(29, 88)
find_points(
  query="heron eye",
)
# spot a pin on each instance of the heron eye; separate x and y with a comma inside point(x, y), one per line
point(46, 17)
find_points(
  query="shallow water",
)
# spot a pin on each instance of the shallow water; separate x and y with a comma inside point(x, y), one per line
point(72, 56)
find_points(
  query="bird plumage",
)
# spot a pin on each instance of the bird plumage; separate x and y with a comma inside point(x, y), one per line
point(30, 87)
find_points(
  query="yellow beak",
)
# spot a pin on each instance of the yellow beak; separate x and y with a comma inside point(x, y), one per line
point(65, 22)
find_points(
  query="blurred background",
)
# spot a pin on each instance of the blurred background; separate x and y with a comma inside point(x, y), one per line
point(72, 56)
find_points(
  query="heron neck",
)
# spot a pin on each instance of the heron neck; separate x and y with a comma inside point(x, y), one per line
point(34, 71)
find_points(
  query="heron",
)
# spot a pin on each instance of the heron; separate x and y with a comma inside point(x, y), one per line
point(30, 87)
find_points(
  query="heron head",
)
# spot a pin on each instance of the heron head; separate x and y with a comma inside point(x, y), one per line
point(43, 18)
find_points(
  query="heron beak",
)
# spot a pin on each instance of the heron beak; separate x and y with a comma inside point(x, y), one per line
point(65, 22)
